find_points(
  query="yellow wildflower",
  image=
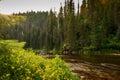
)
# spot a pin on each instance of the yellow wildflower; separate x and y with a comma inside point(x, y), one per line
point(38, 70)
point(18, 61)
point(52, 74)
point(22, 60)
point(33, 65)
point(28, 78)
point(43, 77)
point(22, 53)
point(29, 72)
point(12, 55)
point(7, 75)
point(21, 66)
point(47, 67)
point(12, 67)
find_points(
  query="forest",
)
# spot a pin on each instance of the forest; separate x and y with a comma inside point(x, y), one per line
point(95, 27)
point(92, 27)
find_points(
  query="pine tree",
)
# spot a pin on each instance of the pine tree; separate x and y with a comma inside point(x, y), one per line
point(70, 36)
point(61, 26)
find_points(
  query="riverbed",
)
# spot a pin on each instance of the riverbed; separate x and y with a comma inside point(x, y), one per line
point(93, 67)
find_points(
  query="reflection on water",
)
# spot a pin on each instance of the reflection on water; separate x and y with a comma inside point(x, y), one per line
point(111, 59)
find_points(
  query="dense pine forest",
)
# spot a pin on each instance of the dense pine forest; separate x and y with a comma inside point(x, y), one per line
point(94, 27)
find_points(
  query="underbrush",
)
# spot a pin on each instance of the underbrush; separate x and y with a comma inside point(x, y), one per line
point(19, 64)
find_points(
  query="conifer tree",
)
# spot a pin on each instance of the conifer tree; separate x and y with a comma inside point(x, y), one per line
point(61, 26)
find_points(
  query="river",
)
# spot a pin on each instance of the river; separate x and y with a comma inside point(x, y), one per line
point(93, 67)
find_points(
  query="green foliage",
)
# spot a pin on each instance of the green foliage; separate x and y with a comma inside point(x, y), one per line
point(7, 22)
point(89, 49)
point(55, 51)
point(113, 45)
point(25, 65)
point(7, 45)
point(10, 20)
point(12, 44)
point(91, 29)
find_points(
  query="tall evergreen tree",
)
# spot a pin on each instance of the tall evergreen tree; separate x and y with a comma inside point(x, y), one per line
point(61, 26)
point(71, 25)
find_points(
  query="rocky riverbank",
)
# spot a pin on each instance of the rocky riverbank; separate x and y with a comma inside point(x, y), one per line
point(88, 71)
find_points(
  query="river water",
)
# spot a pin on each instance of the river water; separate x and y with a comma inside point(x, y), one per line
point(96, 59)
point(93, 67)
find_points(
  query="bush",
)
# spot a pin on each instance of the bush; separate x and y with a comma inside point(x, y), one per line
point(89, 49)
point(19, 64)
point(56, 52)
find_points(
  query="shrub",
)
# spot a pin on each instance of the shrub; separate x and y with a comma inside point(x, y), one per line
point(89, 49)
point(55, 52)
point(20, 64)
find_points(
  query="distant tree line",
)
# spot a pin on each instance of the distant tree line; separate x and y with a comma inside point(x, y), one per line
point(95, 27)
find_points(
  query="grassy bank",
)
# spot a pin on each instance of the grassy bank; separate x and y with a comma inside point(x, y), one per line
point(19, 64)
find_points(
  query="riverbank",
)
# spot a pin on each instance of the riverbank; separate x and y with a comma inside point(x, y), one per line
point(91, 71)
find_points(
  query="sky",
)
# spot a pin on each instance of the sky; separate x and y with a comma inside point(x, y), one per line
point(15, 6)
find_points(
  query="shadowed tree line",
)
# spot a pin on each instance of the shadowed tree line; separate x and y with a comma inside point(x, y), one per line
point(95, 27)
